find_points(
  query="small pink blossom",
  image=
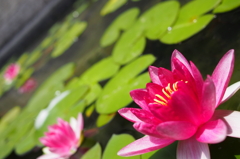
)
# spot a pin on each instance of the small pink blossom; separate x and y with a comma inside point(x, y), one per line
point(11, 72)
point(62, 139)
point(180, 105)
point(28, 86)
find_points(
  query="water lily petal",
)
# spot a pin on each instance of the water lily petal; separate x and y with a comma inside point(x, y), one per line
point(127, 113)
point(180, 57)
point(177, 130)
point(212, 132)
point(145, 116)
point(147, 129)
point(165, 76)
point(144, 145)
point(139, 95)
point(185, 106)
point(230, 91)
point(197, 77)
point(208, 99)
point(222, 74)
point(153, 72)
point(77, 125)
point(192, 149)
point(232, 119)
point(163, 113)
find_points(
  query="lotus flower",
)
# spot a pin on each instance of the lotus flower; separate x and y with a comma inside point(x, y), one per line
point(62, 139)
point(180, 105)
point(28, 86)
point(11, 72)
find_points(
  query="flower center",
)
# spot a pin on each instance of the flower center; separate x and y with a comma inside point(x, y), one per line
point(166, 93)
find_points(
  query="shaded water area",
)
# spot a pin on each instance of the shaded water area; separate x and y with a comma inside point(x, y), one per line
point(204, 48)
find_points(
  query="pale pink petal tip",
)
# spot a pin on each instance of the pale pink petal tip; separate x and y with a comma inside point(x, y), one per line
point(126, 113)
point(192, 149)
point(153, 72)
point(212, 132)
point(222, 74)
point(230, 91)
point(144, 145)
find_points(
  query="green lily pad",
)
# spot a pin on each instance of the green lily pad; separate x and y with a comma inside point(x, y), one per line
point(33, 57)
point(24, 77)
point(183, 31)
point(89, 110)
point(122, 22)
point(93, 153)
point(130, 45)
point(116, 143)
point(64, 107)
point(47, 90)
point(194, 9)
point(93, 93)
point(237, 156)
point(6, 149)
point(102, 70)
point(68, 38)
point(9, 117)
point(26, 143)
point(227, 5)
point(111, 6)
point(103, 119)
point(157, 19)
point(115, 94)
point(168, 152)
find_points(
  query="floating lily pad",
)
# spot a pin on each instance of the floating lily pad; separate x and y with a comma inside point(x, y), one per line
point(33, 57)
point(89, 110)
point(93, 153)
point(26, 143)
point(157, 19)
point(47, 90)
point(115, 94)
point(116, 143)
point(102, 70)
point(227, 5)
point(122, 22)
point(183, 31)
point(237, 156)
point(63, 107)
point(103, 119)
point(111, 6)
point(194, 9)
point(68, 38)
point(130, 45)
point(24, 77)
point(9, 117)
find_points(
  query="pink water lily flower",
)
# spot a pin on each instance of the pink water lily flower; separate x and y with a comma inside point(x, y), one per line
point(180, 105)
point(11, 72)
point(62, 139)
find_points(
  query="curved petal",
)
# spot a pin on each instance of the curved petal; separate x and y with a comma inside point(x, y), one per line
point(153, 72)
point(77, 125)
point(144, 145)
point(212, 132)
point(208, 99)
point(177, 130)
point(232, 119)
point(165, 76)
point(197, 77)
point(147, 129)
point(230, 91)
point(222, 74)
point(145, 116)
point(139, 95)
point(192, 149)
point(180, 57)
point(127, 113)
point(186, 107)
